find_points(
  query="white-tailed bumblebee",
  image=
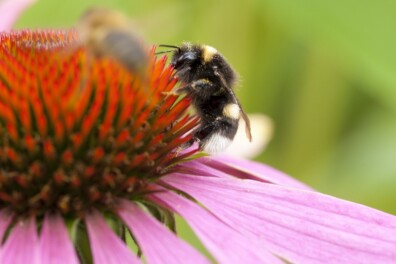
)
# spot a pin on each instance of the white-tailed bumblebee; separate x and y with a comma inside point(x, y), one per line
point(109, 33)
point(209, 82)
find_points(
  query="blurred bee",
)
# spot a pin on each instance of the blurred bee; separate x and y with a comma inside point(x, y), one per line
point(109, 33)
point(209, 83)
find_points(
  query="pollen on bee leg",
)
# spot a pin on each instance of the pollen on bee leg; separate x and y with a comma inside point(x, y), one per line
point(232, 111)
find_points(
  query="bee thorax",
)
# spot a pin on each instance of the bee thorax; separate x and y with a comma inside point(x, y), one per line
point(207, 53)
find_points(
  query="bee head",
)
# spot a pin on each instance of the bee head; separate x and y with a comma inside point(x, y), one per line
point(190, 60)
point(194, 61)
point(184, 56)
point(188, 54)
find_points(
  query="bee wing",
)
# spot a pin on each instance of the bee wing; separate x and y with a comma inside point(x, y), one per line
point(244, 115)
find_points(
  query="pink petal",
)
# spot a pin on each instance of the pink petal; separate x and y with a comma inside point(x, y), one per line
point(243, 169)
point(5, 219)
point(261, 172)
point(21, 247)
point(225, 244)
point(10, 11)
point(158, 244)
point(106, 247)
point(201, 167)
point(55, 244)
point(302, 226)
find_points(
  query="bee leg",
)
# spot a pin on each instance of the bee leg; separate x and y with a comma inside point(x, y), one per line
point(188, 144)
point(185, 146)
point(177, 92)
point(170, 93)
point(202, 135)
point(185, 89)
point(195, 86)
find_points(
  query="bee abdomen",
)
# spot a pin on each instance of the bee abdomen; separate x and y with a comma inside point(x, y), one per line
point(220, 137)
point(127, 49)
point(216, 135)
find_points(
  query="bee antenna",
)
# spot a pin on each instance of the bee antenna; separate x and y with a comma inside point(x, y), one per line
point(168, 46)
point(162, 52)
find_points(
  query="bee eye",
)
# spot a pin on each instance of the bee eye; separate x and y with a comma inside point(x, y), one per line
point(188, 56)
point(184, 59)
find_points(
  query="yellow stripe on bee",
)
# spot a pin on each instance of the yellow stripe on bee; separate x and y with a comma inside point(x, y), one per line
point(232, 111)
point(207, 53)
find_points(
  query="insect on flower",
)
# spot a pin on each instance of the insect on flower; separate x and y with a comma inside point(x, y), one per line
point(86, 159)
point(209, 82)
point(109, 33)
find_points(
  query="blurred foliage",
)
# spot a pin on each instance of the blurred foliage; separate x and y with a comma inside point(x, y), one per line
point(324, 71)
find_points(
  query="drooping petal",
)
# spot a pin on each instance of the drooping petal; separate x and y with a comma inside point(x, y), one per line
point(106, 247)
point(225, 244)
point(302, 226)
point(21, 246)
point(55, 244)
point(202, 167)
point(5, 219)
point(246, 169)
point(159, 245)
point(10, 10)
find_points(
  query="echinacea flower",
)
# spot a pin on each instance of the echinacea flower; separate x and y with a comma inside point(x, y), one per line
point(90, 164)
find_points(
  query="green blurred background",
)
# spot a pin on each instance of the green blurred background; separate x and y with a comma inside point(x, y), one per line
point(324, 71)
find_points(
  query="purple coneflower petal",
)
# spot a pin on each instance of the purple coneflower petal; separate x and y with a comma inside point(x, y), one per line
point(302, 226)
point(21, 246)
point(247, 169)
point(55, 243)
point(158, 244)
point(106, 247)
point(202, 167)
point(225, 244)
point(10, 10)
point(5, 219)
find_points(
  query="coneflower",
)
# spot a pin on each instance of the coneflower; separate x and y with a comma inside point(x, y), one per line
point(90, 164)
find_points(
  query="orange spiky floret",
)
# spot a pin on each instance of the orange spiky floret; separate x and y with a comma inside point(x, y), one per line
point(78, 132)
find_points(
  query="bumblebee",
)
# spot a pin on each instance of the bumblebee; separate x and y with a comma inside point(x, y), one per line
point(109, 33)
point(209, 82)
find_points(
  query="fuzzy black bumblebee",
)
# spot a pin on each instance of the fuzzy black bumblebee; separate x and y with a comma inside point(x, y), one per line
point(109, 33)
point(209, 82)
